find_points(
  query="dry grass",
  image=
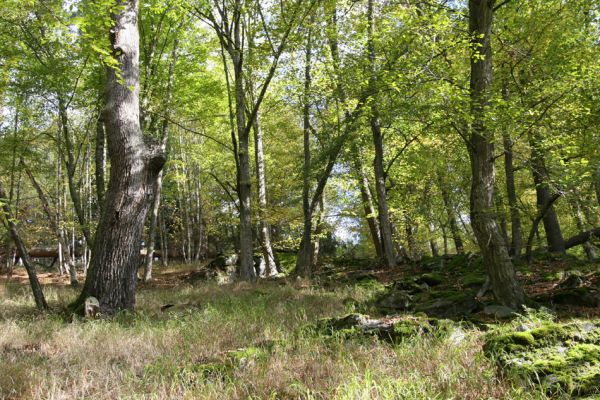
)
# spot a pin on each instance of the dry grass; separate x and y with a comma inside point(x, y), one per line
point(193, 352)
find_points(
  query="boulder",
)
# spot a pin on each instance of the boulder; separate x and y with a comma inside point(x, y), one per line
point(581, 297)
point(561, 358)
point(394, 329)
point(451, 308)
point(394, 300)
point(430, 279)
point(499, 311)
point(91, 307)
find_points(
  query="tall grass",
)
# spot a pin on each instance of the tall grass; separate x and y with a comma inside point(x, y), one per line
point(237, 341)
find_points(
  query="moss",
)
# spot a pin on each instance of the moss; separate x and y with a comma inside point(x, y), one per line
point(562, 358)
point(431, 279)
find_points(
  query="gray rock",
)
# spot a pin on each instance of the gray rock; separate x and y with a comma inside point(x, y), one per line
point(91, 307)
point(444, 308)
point(499, 311)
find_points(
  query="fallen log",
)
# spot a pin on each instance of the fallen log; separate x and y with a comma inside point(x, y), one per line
point(582, 237)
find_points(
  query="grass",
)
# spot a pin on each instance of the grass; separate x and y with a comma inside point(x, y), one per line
point(240, 341)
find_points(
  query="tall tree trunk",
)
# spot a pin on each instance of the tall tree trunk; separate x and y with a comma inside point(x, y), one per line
point(304, 259)
point(62, 243)
point(516, 242)
point(71, 166)
point(100, 161)
point(367, 201)
point(389, 256)
point(505, 286)
point(36, 288)
point(112, 275)
point(454, 231)
point(554, 237)
point(151, 241)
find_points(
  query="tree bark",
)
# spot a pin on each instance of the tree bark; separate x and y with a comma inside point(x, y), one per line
point(265, 227)
point(100, 161)
point(36, 288)
point(367, 201)
point(151, 242)
point(389, 256)
point(505, 286)
point(304, 259)
point(112, 276)
point(554, 237)
point(516, 241)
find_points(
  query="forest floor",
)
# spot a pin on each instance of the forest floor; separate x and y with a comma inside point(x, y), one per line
point(286, 338)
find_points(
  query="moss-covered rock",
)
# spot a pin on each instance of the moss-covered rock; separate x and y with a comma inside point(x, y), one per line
point(562, 358)
point(394, 329)
point(431, 279)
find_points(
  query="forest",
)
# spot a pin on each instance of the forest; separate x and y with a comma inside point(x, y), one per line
point(299, 199)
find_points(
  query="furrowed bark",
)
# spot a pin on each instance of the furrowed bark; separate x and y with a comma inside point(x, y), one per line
point(112, 276)
point(505, 286)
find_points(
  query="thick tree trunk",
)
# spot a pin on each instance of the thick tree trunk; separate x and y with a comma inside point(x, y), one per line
point(505, 286)
point(554, 237)
point(387, 242)
point(112, 275)
point(38, 294)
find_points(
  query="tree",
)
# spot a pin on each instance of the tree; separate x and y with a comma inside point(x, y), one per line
point(112, 276)
point(505, 286)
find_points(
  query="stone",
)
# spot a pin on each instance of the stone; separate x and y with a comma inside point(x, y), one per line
point(91, 308)
point(582, 297)
point(498, 311)
point(451, 308)
point(394, 300)
point(430, 279)
point(560, 358)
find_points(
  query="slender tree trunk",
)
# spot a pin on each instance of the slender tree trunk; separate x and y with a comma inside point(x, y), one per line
point(367, 201)
point(265, 227)
point(505, 286)
point(151, 242)
point(589, 249)
point(554, 237)
point(62, 243)
point(304, 259)
point(435, 251)
point(454, 231)
point(112, 275)
point(389, 256)
point(36, 288)
point(516, 243)
point(71, 165)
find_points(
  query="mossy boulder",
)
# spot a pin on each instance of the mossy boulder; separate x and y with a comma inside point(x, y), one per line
point(561, 357)
point(393, 329)
point(430, 279)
